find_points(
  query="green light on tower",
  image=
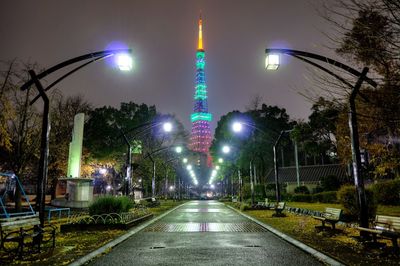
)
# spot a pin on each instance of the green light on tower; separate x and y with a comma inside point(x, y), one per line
point(201, 116)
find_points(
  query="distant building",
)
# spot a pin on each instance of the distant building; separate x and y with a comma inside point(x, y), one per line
point(309, 176)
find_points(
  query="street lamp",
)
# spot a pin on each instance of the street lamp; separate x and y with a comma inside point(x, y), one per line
point(178, 149)
point(220, 160)
point(355, 145)
point(167, 127)
point(124, 62)
point(44, 141)
point(237, 127)
point(226, 149)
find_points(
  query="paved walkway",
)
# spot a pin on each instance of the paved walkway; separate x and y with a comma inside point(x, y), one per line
point(205, 233)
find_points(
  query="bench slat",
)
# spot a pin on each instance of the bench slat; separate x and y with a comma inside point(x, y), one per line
point(19, 223)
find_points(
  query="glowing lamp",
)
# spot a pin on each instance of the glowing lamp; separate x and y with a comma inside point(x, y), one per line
point(103, 171)
point(220, 160)
point(212, 186)
point(272, 61)
point(185, 160)
point(124, 62)
point(178, 149)
point(226, 149)
point(217, 167)
point(167, 126)
point(237, 127)
point(189, 167)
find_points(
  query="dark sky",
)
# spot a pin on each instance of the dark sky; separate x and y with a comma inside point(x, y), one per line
point(163, 36)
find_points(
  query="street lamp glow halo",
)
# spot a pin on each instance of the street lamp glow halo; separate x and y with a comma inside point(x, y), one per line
point(124, 61)
point(220, 160)
point(184, 160)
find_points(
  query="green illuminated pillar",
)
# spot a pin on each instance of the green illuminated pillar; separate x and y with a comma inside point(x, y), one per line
point(75, 147)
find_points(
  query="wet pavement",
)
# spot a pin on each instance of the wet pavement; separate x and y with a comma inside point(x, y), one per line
point(205, 233)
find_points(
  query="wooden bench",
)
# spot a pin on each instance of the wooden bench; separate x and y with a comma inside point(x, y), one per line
point(331, 215)
point(279, 207)
point(20, 229)
point(385, 227)
point(262, 204)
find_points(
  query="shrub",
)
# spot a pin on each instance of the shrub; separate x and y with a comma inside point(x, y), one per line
point(245, 207)
point(317, 189)
point(347, 196)
point(110, 204)
point(259, 191)
point(325, 197)
point(387, 192)
point(302, 197)
point(330, 183)
point(302, 190)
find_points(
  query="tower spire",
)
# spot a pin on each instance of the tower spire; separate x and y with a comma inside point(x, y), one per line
point(200, 45)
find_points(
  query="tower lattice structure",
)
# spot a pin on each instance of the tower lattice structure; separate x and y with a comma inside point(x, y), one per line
point(200, 140)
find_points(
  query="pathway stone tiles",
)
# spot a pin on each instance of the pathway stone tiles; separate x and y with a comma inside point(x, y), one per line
point(205, 227)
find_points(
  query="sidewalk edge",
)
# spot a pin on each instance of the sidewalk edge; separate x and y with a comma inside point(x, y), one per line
point(319, 255)
point(119, 240)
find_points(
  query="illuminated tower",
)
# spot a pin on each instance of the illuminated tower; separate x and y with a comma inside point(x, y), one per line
point(200, 140)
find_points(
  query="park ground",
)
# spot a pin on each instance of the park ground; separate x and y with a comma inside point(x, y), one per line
point(341, 244)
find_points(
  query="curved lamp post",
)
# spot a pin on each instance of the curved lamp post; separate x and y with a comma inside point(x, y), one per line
point(272, 63)
point(237, 127)
point(167, 127)
point(124, 63)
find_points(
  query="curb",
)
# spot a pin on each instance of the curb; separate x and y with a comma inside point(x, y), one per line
point(119, 240)
point(319, 255)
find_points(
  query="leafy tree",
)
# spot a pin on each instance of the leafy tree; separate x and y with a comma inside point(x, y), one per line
point(373, 39)
point(254, 144)
point(317, 137)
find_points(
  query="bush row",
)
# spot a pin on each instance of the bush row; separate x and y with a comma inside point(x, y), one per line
point(325, 197)
point(110, 204)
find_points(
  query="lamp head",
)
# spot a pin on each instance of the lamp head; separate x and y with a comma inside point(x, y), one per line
point(178, 149)
point(226, 149)
point(167, 127)
point(124, 62)
point(237, 127)
point(272, 61)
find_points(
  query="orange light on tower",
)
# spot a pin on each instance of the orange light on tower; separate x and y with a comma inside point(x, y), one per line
point(200, 45)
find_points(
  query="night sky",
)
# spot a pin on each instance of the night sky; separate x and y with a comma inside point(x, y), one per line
point(163, 36)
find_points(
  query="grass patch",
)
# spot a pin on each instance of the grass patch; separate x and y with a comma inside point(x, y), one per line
point(341, 244)
point(71, 246)
point(382, 209)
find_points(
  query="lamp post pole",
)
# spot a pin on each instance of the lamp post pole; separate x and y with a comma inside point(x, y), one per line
point(44, 145)
point(355, 145)
point(277, 189)
point(128, 178)
point(44, 150)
